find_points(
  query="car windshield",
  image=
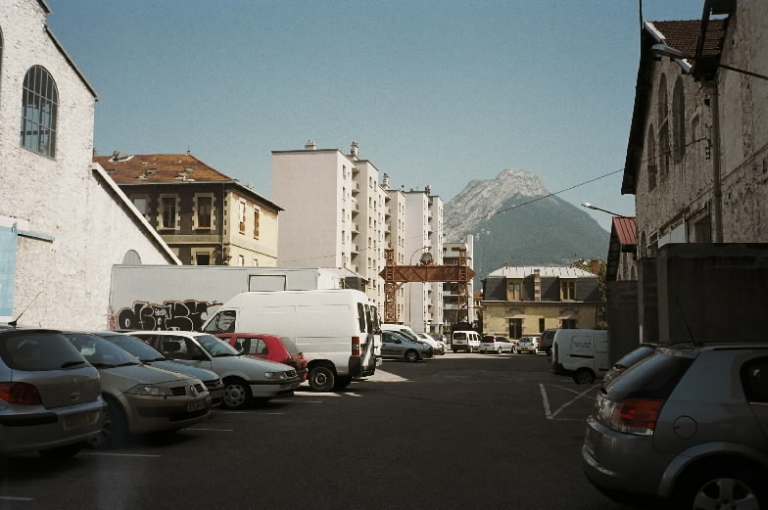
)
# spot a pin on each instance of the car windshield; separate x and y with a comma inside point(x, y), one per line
point(215, 346)
point(136, 347)
point(101, 353)
point(38, 350)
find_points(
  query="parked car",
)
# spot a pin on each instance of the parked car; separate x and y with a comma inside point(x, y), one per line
point(272, 347)
point(465, 341)
point(437, 347)
point(687, 427)
point(545, 341)
point(497, 344)
point(140, 398)
point(397, 346)
point(49, 395)
point(247, 380)
point(528, 344)
point(152, 357)
point(629, 359)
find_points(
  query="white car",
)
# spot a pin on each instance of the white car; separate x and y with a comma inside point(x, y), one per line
point(437, 346)
point(528, 344)
point(497, 344)
point(246, 379)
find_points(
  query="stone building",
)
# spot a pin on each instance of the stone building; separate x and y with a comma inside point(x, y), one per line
point(63, 223)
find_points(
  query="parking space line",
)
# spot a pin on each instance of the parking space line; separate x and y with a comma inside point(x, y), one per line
point(13, 498)
point(107, 454)
point(547, 411)
point(574, 399)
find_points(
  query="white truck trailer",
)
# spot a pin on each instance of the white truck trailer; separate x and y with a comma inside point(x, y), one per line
point(165, 297)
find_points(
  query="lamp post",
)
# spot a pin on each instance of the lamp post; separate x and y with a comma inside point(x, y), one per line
point(663, 50)
point(595, 208)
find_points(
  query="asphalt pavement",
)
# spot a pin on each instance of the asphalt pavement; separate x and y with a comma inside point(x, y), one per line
point(460, 431)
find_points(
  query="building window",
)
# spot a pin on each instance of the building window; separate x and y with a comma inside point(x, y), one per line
point(256, 219)
point(652, 163)
point(678, 131)
point(39, 111)
point(204, 211)
point(663, 118)
point(569, 324)
point(542, 327)
point(202, 257)
point(240, 260)
point(141, 204)
point(255, 262)
point(168, 211)
point(515, 328)
point(568, 290)
point(241, 216)
point(514, 291)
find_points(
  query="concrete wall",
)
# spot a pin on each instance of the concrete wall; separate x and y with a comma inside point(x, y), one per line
point(66, 280)
point(622, 313)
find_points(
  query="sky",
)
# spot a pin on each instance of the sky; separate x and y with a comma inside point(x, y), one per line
point(435, 92)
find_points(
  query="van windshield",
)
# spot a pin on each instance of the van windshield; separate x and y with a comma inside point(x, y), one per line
point(222, 322)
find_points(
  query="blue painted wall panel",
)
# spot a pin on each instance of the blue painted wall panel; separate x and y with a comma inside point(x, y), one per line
point(7, 270)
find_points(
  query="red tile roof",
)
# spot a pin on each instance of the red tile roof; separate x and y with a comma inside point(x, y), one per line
point(625, 229)
point(158, 168)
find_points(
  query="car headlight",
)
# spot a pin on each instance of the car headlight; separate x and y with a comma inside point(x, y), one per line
point(275, 375)
point(150, 390)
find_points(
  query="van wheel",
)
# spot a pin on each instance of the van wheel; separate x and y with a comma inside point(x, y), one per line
point(321, 378)
point(237, 394)
point(583, 376)
point(412, 356)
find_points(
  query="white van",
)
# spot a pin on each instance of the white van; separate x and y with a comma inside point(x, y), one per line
point(465, 341)
point(581, 353)
point(336, 330)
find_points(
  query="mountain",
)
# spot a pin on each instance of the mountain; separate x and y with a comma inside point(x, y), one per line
point(517, 222)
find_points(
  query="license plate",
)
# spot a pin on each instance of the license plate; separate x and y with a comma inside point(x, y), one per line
point(76, 421)
point(195, 406)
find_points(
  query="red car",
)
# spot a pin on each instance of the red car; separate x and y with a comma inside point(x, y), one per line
point(271, 347)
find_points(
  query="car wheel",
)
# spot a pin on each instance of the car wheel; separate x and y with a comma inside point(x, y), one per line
point(237, 394)
point(62, 452)
point(411, 356)
point(583, 376)
point(115, 427)
point(321, 378)
point(342, 382)
point(723, 485)
point(499, 350)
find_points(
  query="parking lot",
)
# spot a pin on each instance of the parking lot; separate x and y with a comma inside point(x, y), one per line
point(459, 431)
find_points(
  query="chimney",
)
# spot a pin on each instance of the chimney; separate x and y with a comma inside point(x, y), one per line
point(594, 267)
point(353, 151)
point(310, 146)
point(385, 181)
point(536, 285)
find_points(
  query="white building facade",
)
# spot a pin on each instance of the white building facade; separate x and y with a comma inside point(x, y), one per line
point(451, 305)
point(334, 212)
point(63, 223)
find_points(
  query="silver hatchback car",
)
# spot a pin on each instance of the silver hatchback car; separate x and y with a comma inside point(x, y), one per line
point(686, 426)
point(50, 396)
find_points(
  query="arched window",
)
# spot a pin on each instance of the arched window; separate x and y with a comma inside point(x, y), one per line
point(652, 162)
point(39, 109)
point(678, 119)
point(663, 119)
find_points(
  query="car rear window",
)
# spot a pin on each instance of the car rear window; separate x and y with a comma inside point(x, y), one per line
point(489, 338)
point(654, 377)
point(290, 345)
point(633, 357)
point(35, 351)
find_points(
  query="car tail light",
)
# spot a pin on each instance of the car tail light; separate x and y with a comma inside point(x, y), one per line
point(355, 346)
point(20, 393)
point(636, 416)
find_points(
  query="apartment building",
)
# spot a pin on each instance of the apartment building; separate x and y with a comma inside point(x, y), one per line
point(334, 212)
point(455, 303)
point(394, 234)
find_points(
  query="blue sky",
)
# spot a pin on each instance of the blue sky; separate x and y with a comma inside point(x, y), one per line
point(436, 92)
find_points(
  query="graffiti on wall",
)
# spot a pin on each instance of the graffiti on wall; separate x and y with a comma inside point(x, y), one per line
point(185, 315)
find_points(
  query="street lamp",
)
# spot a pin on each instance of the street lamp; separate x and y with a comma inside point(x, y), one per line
point(663, 50)
point(595, 208)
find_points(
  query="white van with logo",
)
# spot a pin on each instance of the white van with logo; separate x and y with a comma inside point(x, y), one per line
point(336, 330)
point(468, 341)
point(581, 353)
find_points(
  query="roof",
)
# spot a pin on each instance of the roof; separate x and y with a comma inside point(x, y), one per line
point(682, 35)
point(623, 239)
point(545, 271)
point(139, 169)
point(625, 229)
